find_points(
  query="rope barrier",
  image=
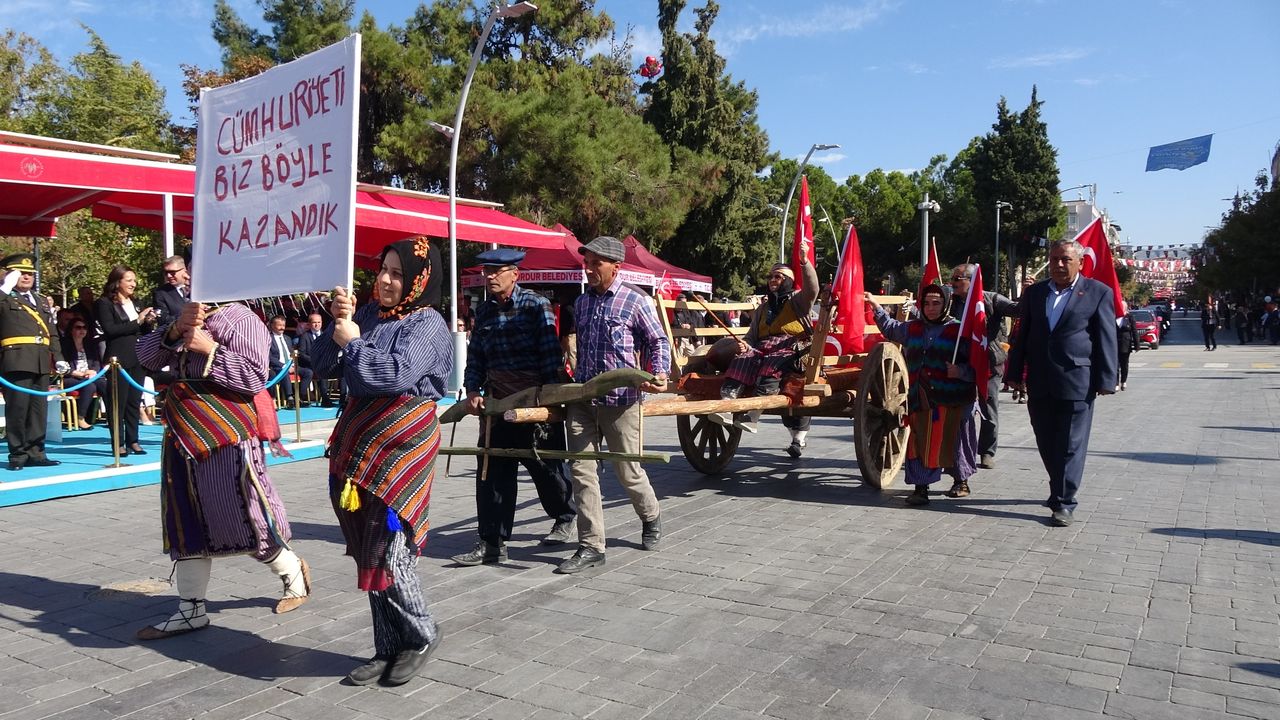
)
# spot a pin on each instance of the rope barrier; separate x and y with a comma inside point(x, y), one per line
point(283, 371)
point(129, 379)
point(53, 393)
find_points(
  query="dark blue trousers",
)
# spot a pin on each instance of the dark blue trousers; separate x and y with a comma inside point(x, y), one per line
point(1062, 436)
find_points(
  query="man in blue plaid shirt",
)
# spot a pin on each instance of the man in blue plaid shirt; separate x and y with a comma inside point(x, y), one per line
point(614, 321)
point(513, 347)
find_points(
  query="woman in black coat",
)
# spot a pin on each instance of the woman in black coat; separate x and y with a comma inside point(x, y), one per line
point(1126, 342)
point(122, 323)
point(85, 361)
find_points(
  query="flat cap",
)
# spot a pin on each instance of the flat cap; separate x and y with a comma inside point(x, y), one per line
point(609, 248)
point(501, 256)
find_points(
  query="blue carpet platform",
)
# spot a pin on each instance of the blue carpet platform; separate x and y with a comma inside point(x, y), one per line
point(88, 465)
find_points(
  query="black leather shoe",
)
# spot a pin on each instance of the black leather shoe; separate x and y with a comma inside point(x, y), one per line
point(585, 558)
point(651, 533)
point(370, 672)
point(138, 449)
point(482, 554)
point(44, 462)
point(14, 465)
point(408, 663)
point(1062, 518)
point(795, 449)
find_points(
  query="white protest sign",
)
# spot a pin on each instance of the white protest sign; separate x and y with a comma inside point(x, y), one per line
point(275, 179)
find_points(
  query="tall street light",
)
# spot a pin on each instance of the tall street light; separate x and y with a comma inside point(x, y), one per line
point(455, 134)
point(925, 207)
point(786, 207)
point(1000, 204)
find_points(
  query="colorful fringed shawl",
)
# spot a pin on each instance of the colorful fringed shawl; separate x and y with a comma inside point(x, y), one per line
point(388, 446)
point(927, 359)
point(935, 435)
point(204, 416)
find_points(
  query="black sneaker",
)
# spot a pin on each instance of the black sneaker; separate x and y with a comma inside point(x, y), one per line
point(407, 664)
point(482, 554)
point(370, 672)
point(584, 558)
point(562, 531)
point(795, 449)
point(651, 533)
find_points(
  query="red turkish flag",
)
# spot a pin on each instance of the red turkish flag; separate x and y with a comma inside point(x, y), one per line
point(667, 289)
point(973, 330)
point(932, 270)
point(802, 245)
point(850, 322)
point(1097, 262)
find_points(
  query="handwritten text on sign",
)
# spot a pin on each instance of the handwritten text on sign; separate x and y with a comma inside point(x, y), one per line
point(275, 180)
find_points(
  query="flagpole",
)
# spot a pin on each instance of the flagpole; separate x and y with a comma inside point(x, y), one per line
point(977, 272)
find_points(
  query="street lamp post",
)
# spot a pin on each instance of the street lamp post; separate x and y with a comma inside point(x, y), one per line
point(455, 134)
point(996, 271)
point(786, 207)
point(925, 207)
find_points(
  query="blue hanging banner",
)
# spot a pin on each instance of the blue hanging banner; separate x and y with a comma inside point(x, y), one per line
point(1179, 155)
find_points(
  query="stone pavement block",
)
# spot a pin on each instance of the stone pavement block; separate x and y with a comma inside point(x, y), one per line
point(1195, 698)
point(80, 701)
point(1144, 682)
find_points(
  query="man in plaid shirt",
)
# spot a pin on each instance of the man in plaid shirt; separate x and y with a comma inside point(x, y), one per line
point(514, 347)
point(614, 321)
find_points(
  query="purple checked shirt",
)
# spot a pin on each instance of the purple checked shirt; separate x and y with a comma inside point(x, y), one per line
point(611, 326)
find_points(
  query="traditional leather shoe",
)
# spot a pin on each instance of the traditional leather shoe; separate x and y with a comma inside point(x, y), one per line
point(370, 672)
point(1062, 518)
point(191, 616)
point(959, 489)
point(920, 496)
point(482, 554)
point(795, 449)
point(407, 664)
point(562, 532)
point(651, 533)
point(987, 461)
point(584, 558)
point(44, 462)
point(291, 603)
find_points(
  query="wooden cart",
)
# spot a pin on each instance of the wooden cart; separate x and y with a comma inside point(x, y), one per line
point(870, 389)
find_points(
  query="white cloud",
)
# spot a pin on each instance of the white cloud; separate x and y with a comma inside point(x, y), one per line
point(645, 40)
point(1047, 59)
point(822, 21)
point(916, 68)
point(831, 158)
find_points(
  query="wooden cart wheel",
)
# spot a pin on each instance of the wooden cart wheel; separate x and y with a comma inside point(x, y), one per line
point(880, 440)
point(707, 446)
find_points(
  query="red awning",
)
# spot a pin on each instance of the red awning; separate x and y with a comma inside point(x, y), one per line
point(685, 279)
point(38, 184)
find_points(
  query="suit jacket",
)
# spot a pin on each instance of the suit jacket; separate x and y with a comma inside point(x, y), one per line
point(274, 358)
point(168, 304)
point(305, 342)
point(15, 322)
point(119, 332)
point(1078, 357)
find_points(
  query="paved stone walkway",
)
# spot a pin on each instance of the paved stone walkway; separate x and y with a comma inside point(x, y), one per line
point(783, 589)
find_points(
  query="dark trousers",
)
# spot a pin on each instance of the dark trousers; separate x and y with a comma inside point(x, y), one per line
point(1210, 342)
point(25, 416)
point(1062, 436)
point(1124, 367)
point(496, 483)
point(85, 401)
point(123, 409)
point(989, 417)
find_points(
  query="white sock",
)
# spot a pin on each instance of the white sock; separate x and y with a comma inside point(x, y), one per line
point(799, 436)
point(288, 566)
point(191, 578)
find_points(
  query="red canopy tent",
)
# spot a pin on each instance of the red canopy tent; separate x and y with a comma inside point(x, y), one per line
point(685, 279)
point(43, 178)
point(560, 266)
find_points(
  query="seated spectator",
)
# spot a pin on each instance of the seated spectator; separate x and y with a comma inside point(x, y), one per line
point(85, 362)
point(281, 354)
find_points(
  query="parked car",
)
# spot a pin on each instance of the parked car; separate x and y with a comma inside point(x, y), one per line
point(1147, 327)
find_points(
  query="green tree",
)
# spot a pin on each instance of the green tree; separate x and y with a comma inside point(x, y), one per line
point(1241, 255)
point(29, 81)
point(1016, 163)
point(695, 105)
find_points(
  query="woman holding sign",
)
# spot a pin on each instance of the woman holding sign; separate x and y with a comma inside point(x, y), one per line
point(397, 356)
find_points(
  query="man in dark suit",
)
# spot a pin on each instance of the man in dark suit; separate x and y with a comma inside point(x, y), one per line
point(281, 353)
point(1066, 343)
point(307, 334)
point(28, 351)
point(169, 298)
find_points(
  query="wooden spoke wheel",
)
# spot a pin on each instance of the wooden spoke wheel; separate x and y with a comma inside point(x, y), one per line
point(880, 440)
point(707, 446)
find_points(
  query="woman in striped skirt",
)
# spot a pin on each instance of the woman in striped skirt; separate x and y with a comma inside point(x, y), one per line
point(396, 356)
point(941, 401)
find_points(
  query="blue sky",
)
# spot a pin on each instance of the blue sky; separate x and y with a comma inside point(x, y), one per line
point(894, 82)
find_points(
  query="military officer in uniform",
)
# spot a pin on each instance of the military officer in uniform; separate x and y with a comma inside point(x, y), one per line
point(28, 351)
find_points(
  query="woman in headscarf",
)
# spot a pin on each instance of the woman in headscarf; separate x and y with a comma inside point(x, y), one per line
point(942, 395)
point(779, 333)
point(397, 355)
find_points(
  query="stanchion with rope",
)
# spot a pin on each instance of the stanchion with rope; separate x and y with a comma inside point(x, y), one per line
point(297, 401)
point(284, 371)
point(60, 391)
point(113, 415)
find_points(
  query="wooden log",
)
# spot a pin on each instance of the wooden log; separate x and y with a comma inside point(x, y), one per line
point(558, 454)
point(557, 394)
point(676, 405)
